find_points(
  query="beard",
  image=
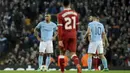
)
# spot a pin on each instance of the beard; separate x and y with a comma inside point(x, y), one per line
point(47, 20)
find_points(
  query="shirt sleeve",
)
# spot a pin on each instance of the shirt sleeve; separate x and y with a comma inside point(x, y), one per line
point(60, 27)
point(89, 25)
point(103, 30)
point(38, 26)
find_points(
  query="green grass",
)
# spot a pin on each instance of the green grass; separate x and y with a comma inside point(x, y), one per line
point(111, 71)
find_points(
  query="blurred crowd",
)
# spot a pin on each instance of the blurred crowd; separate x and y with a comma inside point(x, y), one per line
point(18, 18)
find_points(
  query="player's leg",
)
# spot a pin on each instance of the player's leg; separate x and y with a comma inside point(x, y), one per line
point(104, 62)
point(41, 53)
point(89, 61)
point(49, 51)
point(91, 51)
point(72, 48)
point(101, 55)
point(75, 59)
point(40, 61)
point(47, 62)
point(44, 60)
point(95, 61)
point(62, 61)
point(62, 53)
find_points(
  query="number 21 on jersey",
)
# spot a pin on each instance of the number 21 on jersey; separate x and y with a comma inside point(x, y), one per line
point(70, 22)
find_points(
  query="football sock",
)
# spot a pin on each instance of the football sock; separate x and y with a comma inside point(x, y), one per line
point(95, 63)
point(89, 63)
point(62, 63)
point(104, 62)
point(48, 61)
point(75, 59)
point(40, 61)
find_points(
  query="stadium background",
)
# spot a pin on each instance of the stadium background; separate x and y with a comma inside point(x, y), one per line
point(18, 45)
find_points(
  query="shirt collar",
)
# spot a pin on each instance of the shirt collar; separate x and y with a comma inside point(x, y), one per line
point(46, 22)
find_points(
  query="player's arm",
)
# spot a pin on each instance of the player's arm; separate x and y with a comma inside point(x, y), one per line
point(87, 34)
point(36, 33)
point(104, 37)
point(105, 40)
point(89, 37)
point(60, 27)
point(55, 33)
point(60, 30)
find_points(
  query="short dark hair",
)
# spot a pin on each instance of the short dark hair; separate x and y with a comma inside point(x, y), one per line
point(66, 2)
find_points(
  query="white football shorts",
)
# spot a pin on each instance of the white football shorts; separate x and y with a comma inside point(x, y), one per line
point(46, 47)
point(95, 46)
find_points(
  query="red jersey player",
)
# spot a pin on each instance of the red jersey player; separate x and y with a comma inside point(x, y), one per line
point(67, 34)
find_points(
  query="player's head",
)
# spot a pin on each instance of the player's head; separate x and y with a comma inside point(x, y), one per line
point(66, 3)
point(95, 18)
point(47, 17)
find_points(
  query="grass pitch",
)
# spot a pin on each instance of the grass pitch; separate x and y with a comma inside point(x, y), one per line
point(111, 71)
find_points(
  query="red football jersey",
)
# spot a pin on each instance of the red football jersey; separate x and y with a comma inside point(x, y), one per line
point(67, 24)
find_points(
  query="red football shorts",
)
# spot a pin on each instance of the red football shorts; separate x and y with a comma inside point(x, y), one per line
point(70, 44)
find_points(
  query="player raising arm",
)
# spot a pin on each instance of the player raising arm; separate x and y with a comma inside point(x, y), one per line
point(67, 34)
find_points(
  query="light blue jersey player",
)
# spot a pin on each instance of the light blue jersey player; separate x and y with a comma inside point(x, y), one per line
point(97, 36)
point(47, 28)
point(97, 29)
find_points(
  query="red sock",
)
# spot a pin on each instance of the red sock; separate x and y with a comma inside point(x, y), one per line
point(62, 64)
point(75, 60)
point(95, 63)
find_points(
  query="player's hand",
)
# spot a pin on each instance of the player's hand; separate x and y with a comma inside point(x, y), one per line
point(61, 44)
point(39, 39)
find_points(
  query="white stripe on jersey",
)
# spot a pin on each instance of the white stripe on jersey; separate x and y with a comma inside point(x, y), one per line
point(60, 24)
point(68, 13)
